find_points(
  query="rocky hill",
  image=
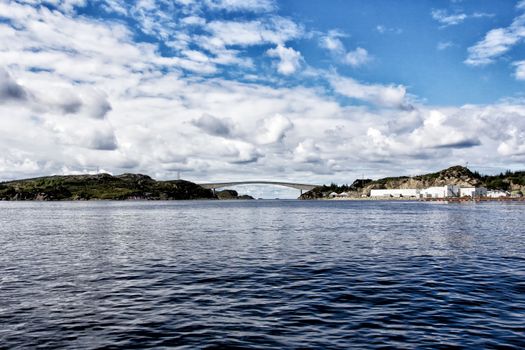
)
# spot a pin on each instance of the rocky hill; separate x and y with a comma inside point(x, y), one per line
point(456, 175)
point(101, 186)
point(231, 194)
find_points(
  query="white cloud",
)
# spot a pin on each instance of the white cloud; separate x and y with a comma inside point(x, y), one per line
point(214, 126)
point(79, 94)
point(520, 70)
point(335, 46)
point(446, 19)
point(275, 30)
point(497, 42)
point(436, 133)
point(332, 42)
point(66, 6)
point(10, 90)
point(193, 20)
point(289, 59)
point(357, 57)
point(307, 152)
point(514, 145)
point(242, 5)
point(273, 129)
point(382, 95)
point(443, 45)
point(384, 30)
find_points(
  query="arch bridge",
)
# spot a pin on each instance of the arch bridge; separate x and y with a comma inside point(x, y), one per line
point(298, 186)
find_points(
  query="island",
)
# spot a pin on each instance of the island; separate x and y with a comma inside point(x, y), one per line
point(102, 187)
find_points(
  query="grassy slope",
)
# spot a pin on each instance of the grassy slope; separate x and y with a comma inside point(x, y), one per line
point(101, 186)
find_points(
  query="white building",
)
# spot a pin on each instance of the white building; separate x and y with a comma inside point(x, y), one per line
point(440, 192)
point(399, 193)
point(472, 192)
point(497, 194)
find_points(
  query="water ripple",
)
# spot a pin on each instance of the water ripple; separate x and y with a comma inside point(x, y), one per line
point(261, 275)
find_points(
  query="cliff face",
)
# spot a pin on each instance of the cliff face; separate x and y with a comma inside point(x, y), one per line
point(101, 186)
point(456, 175)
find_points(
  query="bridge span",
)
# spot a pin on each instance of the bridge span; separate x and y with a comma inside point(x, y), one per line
point(298, 186)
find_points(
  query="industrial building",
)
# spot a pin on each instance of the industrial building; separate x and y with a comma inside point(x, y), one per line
point(440, 192)
point(398, 193)
point(447, 191)
point(473, 192)
point(497, 194)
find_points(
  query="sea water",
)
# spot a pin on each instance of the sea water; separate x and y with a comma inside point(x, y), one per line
point(261, 275)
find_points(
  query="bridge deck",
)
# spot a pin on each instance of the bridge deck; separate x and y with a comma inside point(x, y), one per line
point(306, 187)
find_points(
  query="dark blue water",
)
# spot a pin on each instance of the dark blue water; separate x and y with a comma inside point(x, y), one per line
point(261, 275)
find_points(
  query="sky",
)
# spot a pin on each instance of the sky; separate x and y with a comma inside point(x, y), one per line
point(305, 91)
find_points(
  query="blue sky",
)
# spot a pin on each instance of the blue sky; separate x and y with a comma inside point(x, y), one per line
point(309, 91)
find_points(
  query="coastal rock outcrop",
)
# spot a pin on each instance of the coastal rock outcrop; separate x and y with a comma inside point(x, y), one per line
point(231, 194)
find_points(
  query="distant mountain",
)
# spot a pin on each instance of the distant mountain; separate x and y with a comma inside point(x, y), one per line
point(101, 186)
point(456, 175)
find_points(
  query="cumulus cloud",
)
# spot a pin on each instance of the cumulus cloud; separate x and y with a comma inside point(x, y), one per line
point(289, 59)
point(239, 152)
point(497, 42)
point(382, 95)
point(275, 30)
point(10, 90)
point(332, 42)
point(242, 5)
point(307, 152)
point(103, 139)
point(520, 70)
point(95, 103)
point(436, 133)
point(273, 129)
point(84, 95)
point(214, 126)
point(446, 19)
point(514, 145)
point(357, 57)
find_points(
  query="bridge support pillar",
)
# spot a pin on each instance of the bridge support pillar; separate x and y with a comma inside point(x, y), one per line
point(301, 192)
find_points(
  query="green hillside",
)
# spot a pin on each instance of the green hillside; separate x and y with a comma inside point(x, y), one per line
point(101, 186)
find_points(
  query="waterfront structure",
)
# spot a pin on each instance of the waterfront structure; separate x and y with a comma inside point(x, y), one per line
point(497, 194)
point(440, 192)
point(473, 192)
point(447, 191)
point(397, 193)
